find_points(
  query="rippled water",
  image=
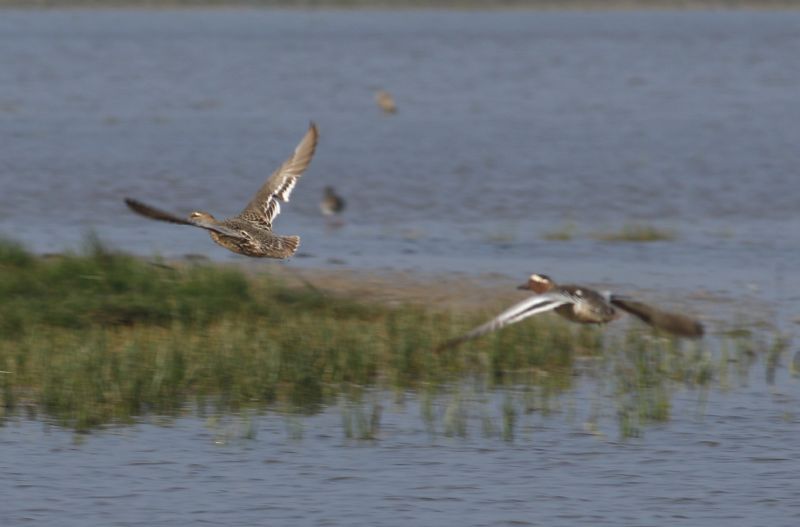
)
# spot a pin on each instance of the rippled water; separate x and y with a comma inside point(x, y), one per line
point(731, 461)
point(510, 125)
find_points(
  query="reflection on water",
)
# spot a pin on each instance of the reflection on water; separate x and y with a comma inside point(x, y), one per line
point(722, 459)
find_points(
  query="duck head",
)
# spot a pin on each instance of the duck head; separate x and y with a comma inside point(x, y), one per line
point(538, 283)
point(201, 216)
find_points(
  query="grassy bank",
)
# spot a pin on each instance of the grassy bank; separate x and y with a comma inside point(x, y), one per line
point(98, 337)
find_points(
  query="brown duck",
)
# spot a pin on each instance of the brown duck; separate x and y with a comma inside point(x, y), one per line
point(332, 203)
point(582, 305)
point(250, 233)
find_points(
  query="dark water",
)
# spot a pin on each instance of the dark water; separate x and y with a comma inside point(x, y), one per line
point(510, 125)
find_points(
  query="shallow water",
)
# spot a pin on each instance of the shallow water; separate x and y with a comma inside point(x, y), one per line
point(732, 460)
point(510, 125)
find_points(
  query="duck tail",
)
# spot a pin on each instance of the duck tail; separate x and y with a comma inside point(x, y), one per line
point(675, 323)
point(288, 245)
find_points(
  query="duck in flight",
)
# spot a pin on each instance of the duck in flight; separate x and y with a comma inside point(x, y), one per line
point(584, 306)
point(385, 102)
point(250, 232)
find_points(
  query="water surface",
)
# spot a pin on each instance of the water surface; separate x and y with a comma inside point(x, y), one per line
point(730, 461)
point(511, 125)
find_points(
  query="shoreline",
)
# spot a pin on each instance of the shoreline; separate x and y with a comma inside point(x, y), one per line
point(103, 337)
point(463, 293)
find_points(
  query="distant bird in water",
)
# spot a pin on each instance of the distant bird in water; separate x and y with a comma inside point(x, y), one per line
point(332, 203)
point(582, 305)
point(250, 233)
point(385, 101)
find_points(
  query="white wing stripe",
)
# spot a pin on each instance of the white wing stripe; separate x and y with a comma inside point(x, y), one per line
point(529, 307)
point(284, 192)
point(271, 209)
point(520, 311)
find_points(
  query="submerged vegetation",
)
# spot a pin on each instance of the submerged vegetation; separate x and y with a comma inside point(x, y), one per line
point(563, 233)
point(637, 233)
point(99, 337)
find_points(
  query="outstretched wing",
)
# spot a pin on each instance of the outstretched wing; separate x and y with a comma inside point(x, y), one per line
point(158, 214)
point(520, 311)
point(265, 205)
point(674, 323)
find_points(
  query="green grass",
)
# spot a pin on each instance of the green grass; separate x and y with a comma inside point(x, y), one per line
point(96, 337)
point(637, 233)
point(564, 233)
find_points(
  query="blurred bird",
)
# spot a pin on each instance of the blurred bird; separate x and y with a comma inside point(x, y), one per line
point(582, 305)
point(385, 101)
point(250, 233)
point(332, 203)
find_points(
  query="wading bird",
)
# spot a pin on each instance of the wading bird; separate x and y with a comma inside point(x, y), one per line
point(583, 305)
point(250, 232)
point(331, 203)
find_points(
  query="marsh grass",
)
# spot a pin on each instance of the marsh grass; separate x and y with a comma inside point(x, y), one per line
point(95, 337)
point(647, 371)
point(503, 234)
point(563, 233)
point(636, 233)
point(98, 337)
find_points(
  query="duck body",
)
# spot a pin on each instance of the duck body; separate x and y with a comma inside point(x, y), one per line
point(250, 232)
point(588, 307)
point(385, 102)
point(582, 305)
point(255, 241)
point(332, 203)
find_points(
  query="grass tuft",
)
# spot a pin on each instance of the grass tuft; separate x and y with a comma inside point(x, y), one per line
point(562, 234)
point(638, 233)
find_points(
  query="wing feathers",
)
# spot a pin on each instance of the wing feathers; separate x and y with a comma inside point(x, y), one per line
point(674, 323)
point(264, 206)
point(520, 311)
point(158, 214)
point(154, 213)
